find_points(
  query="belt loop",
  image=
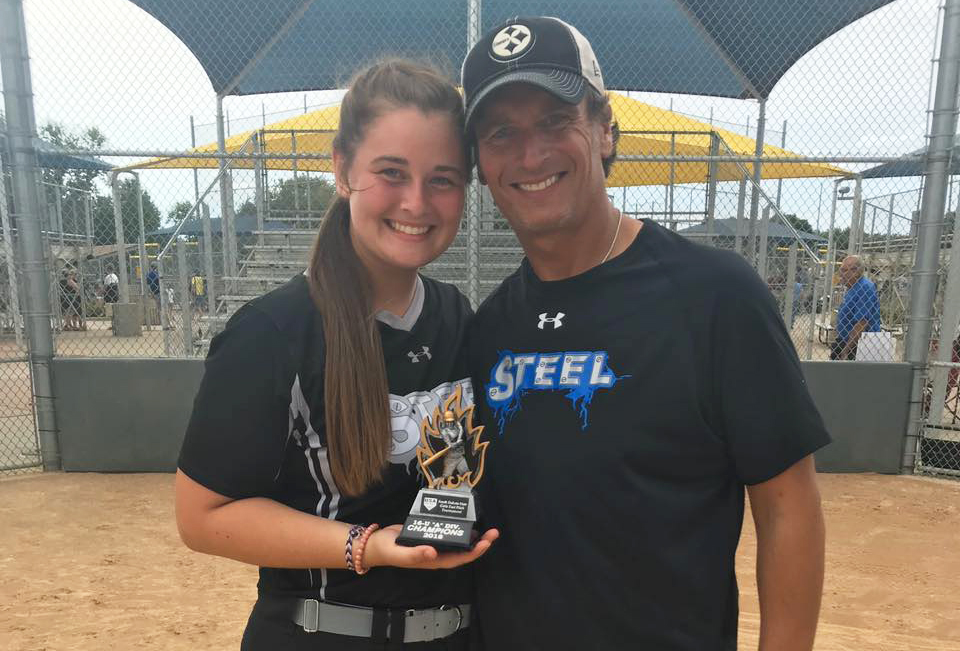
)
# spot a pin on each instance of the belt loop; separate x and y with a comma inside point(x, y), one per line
point(398, 627)
point(378, 630)
point(311, 615)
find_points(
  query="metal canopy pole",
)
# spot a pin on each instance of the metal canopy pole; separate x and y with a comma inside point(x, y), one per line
point(829, 262)
point(711, 186)
point(762, 249)
point(741, 204)
point(258, 167)
point(208, 260)
point(207, 232)
point(88, 221)
point(186, 305)
point(24, 167)
point(783, 145)
point(227, 230)
point(886, 244)
point(673, 177)
point(855, 239)
point(121, 245)
point(930, 227)
point(474, 208)
point(58, 210)
point(790, 288)
point(144, 262)
point(755, 190)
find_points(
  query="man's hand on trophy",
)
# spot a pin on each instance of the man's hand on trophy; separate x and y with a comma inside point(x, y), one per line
point(382, 549)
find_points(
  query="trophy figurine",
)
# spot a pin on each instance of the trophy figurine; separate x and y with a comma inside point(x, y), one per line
point(450, 456)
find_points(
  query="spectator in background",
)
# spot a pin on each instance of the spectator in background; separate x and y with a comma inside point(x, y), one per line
point(198, 291)
point(111, 287)
point(70, 300)
point(859, 312)
point(171, 306)
point(153, 284)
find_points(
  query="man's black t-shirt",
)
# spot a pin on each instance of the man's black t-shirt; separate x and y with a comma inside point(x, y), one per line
point(257, 429)
point(626, 408)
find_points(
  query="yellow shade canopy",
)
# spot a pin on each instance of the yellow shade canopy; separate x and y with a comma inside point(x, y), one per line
point(649, 130)
point(645, 130)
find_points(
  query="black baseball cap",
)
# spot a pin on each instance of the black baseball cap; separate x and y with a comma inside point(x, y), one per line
point(543, 51)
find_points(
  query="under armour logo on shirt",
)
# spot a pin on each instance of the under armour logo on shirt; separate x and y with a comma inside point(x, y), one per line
point(557, 321)
point(415, 357)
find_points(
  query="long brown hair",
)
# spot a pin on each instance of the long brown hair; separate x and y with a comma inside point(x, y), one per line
point(356, 409)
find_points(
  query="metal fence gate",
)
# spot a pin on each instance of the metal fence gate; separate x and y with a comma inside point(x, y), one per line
point(19, 448)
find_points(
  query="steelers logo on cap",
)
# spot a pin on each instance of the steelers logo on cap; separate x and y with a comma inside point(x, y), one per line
point(511, 42)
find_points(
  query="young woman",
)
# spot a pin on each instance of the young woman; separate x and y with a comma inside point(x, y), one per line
point(303, 433)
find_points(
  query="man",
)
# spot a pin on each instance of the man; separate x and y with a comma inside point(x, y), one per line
point(198, 291)
point(859, 312)
point(631, 384)
point(111, 287)
point(153, 286)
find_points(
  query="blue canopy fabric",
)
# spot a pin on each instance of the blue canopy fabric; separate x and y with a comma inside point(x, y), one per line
point(913, 164)
point(726, 48)
point(245, 223)
point(51, 156)
point(727, 228)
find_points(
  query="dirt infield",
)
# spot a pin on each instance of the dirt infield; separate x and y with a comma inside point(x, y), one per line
point(93, 562)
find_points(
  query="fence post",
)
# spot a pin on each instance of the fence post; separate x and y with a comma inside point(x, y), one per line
point(711, 184)
point(142, 241)
point(755, 190)
point(24, 167)
point(886, 245)
point(474, 206)
point(930, 225)
point(211, 289)
point(121, 245)
point(789, 290)
point(856, 219)
point(227, 227)
point(741, 204)
point(762, 249)
point(186, 304)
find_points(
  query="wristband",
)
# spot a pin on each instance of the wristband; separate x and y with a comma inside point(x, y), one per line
point(355, 532)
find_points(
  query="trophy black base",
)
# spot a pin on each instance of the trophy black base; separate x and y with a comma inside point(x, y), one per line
point(443, 518)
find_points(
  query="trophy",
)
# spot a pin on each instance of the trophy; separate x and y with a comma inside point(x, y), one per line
point(450, 456)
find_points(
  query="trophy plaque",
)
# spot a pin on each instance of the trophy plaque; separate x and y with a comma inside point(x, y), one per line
point(450, 456)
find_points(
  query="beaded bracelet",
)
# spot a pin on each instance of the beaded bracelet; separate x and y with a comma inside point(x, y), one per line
point(355, 532)
point(361, 547)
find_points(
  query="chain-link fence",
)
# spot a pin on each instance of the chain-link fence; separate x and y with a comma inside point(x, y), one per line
point(165, 204)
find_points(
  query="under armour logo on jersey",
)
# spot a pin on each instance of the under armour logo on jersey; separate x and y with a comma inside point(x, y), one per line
point(557, 321)
point(415, 357)
point(511, 41)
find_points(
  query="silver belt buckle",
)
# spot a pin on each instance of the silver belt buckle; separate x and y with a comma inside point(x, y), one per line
point(459, 616)
point(311, 615)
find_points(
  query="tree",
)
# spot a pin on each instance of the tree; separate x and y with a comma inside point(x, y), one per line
point(75, 185)
point(801, 225)
point(287, 194)
point(91, 138)
point(179, 212)
point(104, 228)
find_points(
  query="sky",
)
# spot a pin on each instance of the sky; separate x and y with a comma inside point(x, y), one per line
point(864, 91)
